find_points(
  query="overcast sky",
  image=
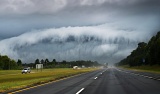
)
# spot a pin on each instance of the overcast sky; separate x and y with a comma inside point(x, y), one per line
point(98, 30)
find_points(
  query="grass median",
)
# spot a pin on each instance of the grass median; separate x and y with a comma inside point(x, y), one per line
point(13, 79)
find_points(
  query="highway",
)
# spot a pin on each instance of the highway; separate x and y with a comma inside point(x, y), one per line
point(104, 81)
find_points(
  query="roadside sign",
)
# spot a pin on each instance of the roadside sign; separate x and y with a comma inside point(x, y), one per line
point(39, 66)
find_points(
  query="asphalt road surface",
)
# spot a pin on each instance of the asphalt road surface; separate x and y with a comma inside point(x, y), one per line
point(104, 81)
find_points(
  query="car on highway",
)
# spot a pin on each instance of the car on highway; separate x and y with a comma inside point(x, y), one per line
point(26, 70)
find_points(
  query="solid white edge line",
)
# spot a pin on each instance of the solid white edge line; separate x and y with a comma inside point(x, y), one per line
point(80, 91)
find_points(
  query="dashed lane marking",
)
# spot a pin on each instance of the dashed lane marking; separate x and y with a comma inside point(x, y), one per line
point(150, 77)
point(158, 79)
point(95, 78)
point(140, 75)
point(80, 91)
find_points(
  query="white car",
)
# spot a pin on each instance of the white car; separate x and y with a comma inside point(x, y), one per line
point(26, 70)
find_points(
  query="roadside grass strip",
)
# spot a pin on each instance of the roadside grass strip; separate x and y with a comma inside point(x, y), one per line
point(11, 82)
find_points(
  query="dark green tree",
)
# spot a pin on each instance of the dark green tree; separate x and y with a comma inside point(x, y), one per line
point(46, 62)
point(145, 54)
point(19, 62)
point(42, 61)
point(37, 61)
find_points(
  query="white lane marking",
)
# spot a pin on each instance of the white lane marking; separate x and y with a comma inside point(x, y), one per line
point(146, 76)
point(95, 78)
point(118, 70)
point(80, 91)
point(140, 75)
point(150, 77)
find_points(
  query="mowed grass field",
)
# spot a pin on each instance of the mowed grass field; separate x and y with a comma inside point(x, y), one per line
point(13, 79)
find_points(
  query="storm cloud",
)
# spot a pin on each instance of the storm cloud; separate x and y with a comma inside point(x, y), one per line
point(100, 30)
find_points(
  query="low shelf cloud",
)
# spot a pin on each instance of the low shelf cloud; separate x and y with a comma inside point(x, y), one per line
point(98, 30)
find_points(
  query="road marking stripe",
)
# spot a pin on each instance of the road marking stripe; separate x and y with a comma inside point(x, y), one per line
point(158, 79)
point(146, 76)
point(95, 78)
point(140, 75)
point(80, 91)
point(150, 77)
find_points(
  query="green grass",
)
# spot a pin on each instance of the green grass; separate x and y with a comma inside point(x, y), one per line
point(144, 68)
point(13, 79)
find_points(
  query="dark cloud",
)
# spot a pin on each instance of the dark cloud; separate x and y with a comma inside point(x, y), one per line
point(19, 16)
point(101, 29)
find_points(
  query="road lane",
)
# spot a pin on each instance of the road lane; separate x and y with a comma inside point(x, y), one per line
point(120, 82)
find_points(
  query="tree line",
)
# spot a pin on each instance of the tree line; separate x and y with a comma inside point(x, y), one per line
point(65, 64)
point(9, 64)
point(145, 53)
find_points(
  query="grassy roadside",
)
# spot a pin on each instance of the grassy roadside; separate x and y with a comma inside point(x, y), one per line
point(144, 68)
point(13, 79)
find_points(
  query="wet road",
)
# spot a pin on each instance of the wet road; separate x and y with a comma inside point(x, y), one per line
point(104, 81)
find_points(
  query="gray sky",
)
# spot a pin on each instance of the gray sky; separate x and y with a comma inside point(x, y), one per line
point(99, 30)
